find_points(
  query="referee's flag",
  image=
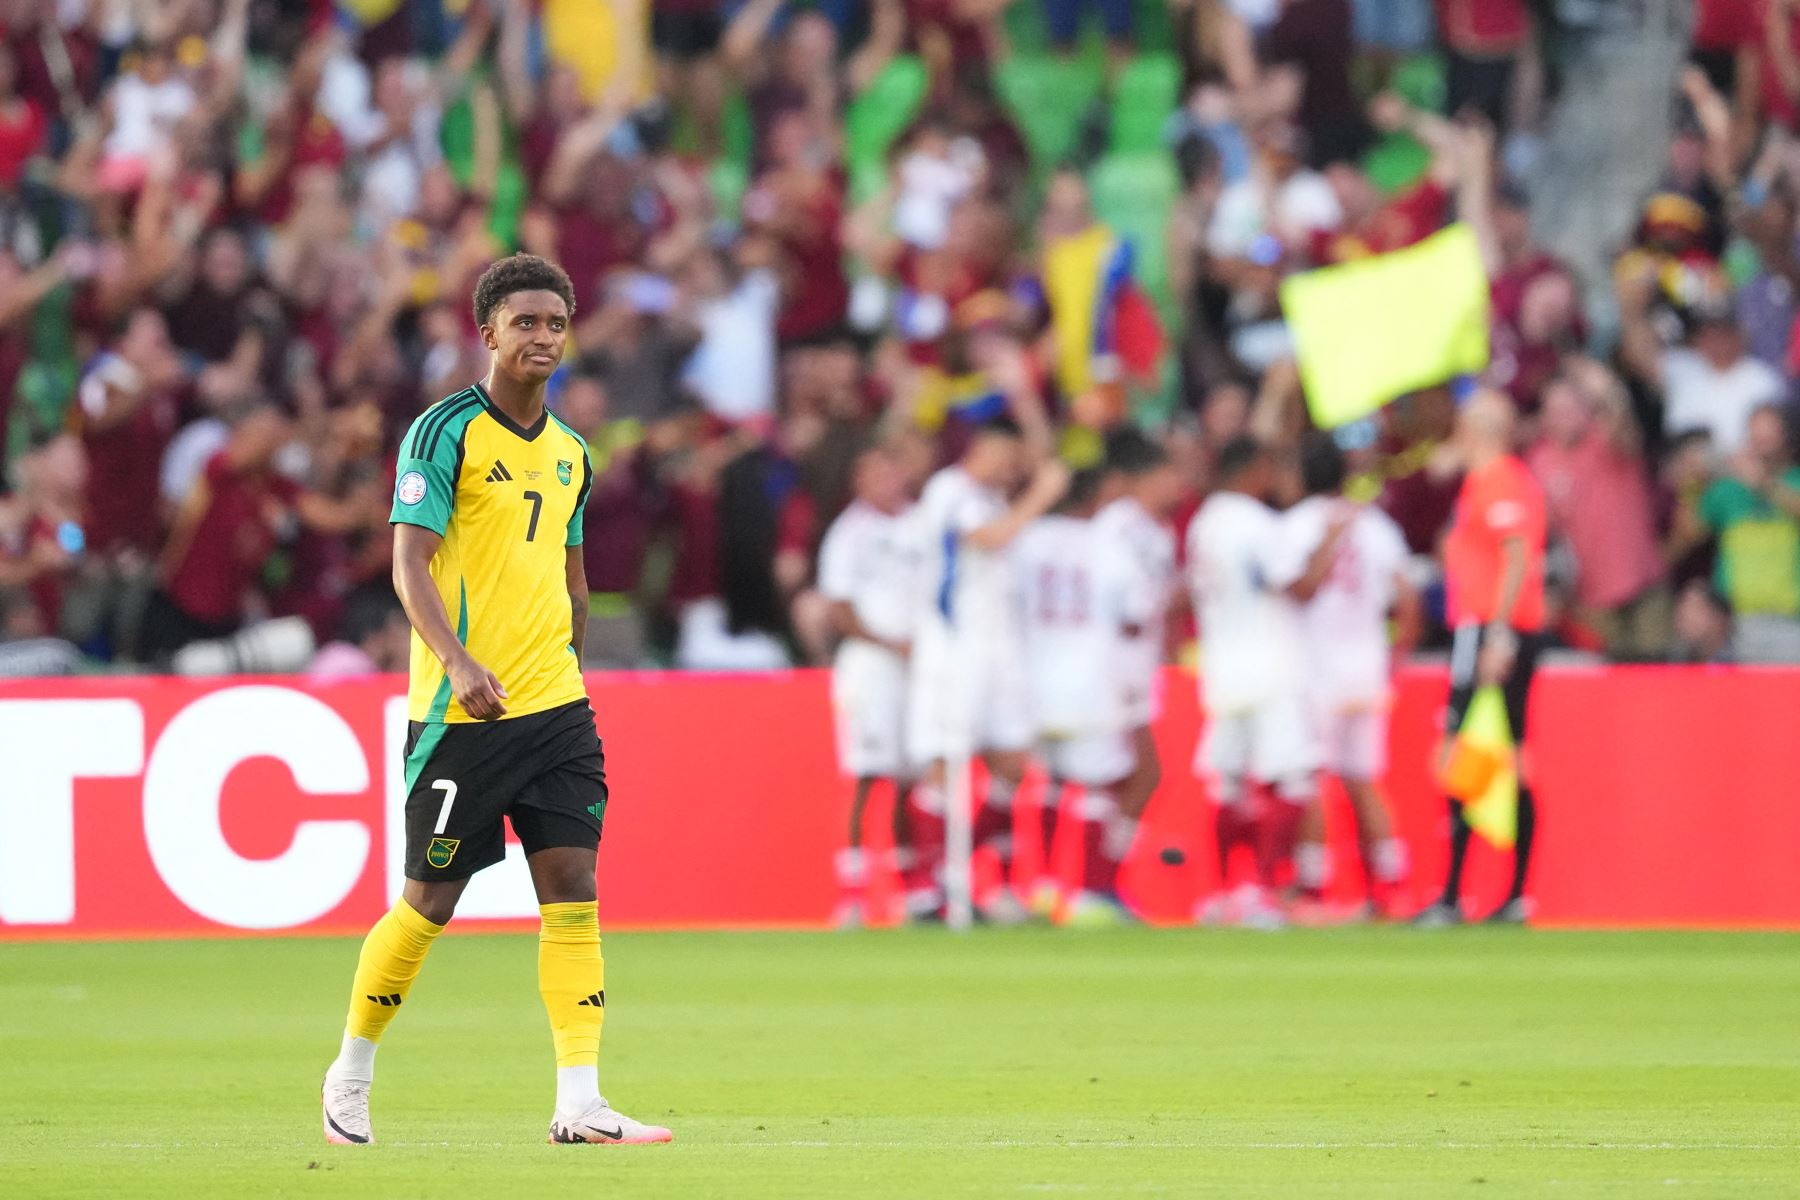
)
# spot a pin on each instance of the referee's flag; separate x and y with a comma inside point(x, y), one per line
point(1483, 770)
point(1371, 330)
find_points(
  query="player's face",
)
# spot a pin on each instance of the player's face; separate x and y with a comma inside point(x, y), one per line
point(527, 334)
point(1161, 490)
point(882, 484)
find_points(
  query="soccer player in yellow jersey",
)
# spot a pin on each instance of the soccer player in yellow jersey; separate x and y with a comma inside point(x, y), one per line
point(487, 560)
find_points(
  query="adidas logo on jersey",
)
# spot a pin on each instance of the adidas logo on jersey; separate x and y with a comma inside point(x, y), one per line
point(499, 474)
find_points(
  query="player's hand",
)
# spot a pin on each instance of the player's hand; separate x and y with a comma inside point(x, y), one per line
point(1050, 481)
point(899, 647)
point(1496, 660)
point(477, 689)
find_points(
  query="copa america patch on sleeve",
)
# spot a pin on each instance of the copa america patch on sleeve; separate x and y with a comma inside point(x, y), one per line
point(411, 488)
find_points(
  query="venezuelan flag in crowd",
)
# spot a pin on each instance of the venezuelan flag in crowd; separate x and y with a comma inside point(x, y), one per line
point(1099, 313)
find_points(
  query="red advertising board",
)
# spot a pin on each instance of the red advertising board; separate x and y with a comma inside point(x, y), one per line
point(142, 807)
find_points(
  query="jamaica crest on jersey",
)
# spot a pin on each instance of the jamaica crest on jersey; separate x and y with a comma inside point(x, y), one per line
point(565, 470)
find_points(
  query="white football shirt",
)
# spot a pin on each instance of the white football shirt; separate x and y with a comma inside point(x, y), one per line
point(967, 591)
point(869, 561)
point(1345, 623)
point(1144, 551)
point(1071, 622)
point(1249, 628)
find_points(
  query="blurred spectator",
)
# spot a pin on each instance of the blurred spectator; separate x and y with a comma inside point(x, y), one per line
point(1710, 384)
point(1589, 461)
point(686, 35)
point(1305, 49)
point(1755, 513)
point(41, 540)
point(737, 298)
point(142, 109)
point(1702, 626)
point(1485, 42)
point(376, 639)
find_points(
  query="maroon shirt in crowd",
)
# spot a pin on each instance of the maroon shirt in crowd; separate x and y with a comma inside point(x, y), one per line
point(818, 294)
point(232, 541)
point(1313, 36)
point(124, 462)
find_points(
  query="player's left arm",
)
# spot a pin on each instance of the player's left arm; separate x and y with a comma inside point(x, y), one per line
point(575, 570)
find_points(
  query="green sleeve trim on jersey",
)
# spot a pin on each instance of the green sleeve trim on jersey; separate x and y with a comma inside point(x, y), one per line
point(440, 700)
point(573, 534)
point(576, 518)
point(430, 460)
point(422, 750)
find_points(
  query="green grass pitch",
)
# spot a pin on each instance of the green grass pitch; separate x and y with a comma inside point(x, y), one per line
point(1034, 1062)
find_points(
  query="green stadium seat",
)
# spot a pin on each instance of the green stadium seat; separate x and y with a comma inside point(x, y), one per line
point(882, 113)
point(1396, 162)
point(1147, 92)
point(1133, 194)
point(737, 130)
point(1420, 79)
point(728, 180)
point(1047, 97)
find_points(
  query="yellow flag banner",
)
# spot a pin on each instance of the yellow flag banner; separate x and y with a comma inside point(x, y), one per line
point(1369, 331)
point(1483, 769)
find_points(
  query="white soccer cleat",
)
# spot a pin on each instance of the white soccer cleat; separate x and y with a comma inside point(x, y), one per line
point(1002, 908)
point(1256, 909)
point(1216, 909)
point(599, 1125)
point(346, 1104)
point(1091, 910)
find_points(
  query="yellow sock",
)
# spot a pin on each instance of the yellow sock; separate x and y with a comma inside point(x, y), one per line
point(572, 979)
point(390, 961)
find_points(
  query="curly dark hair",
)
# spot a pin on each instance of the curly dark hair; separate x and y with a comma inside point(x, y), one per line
point(520, 273)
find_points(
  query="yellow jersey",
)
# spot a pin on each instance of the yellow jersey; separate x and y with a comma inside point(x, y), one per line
point(508, 503)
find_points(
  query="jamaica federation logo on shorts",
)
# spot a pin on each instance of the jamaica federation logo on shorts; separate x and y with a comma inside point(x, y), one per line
point(565, 470)
point(441, 851)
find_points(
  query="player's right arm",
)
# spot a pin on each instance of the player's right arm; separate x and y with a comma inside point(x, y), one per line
point(424, 500)
point(475, 687)
point(1040, 496)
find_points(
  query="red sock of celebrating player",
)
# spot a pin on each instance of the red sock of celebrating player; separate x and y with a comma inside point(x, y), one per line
point(1276, 834)
point(994, 820)
point(1048, 814)
point(1099, 873)
point(924, 894)
point(1234, 826)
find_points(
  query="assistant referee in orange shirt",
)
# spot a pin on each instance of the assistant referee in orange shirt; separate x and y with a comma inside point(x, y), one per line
point(1494, 572)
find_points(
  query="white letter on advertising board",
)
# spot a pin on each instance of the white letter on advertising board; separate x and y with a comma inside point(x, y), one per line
point(182, 786)
point(45, 746)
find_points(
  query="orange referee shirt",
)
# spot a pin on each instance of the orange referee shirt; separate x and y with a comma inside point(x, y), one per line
point(1497, 502)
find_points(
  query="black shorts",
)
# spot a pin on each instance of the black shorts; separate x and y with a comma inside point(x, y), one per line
point(1465, 652)
point(685, 36)
point(544, 772)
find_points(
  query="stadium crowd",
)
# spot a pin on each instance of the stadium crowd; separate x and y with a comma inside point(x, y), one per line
point(237, 240)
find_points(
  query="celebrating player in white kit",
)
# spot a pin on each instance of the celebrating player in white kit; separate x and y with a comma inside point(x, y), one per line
point(869, 568)
point(1075, 598)
point(968, 688)
point(1132, 529)
point(1345, 634)
point(1258, 728)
